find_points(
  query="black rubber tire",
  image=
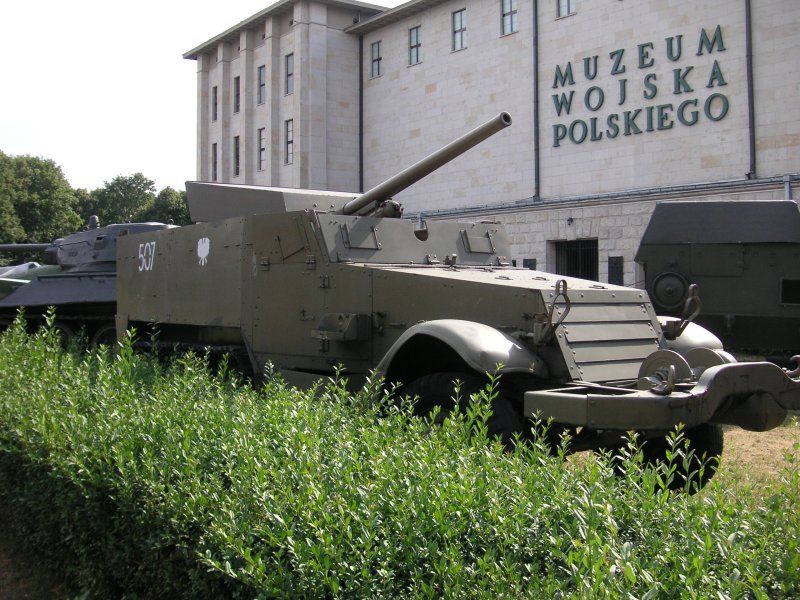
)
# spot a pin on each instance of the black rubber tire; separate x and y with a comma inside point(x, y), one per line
point(438, 389)
point(105, 334)
point(65, 331)
point(707, 441)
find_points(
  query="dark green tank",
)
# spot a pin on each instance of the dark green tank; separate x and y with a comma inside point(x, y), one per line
point(76, 275)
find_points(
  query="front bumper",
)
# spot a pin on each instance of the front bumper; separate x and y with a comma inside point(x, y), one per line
point(755, 396)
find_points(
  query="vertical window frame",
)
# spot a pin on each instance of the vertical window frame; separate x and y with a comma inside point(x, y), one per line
point(288, 142)
point(414, 45)
point(288, 74)
point(214, 162)
point(376, 59)
point(237, 146)
point(262, 148)
point(214, 104)
point(458, 22)
point(237, 94)
point(570, 8)
point(509, 15)
point(261, 94)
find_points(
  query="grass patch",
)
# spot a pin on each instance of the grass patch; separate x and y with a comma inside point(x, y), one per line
point(139, 479)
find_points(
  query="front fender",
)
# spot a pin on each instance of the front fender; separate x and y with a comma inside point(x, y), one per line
point(480, 346)
point(694, 336)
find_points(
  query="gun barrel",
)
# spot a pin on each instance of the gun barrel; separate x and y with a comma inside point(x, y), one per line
point(18, 248)
point(427, 165)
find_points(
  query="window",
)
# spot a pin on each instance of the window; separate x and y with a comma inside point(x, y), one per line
point(566, 7)
point(289, 73)
point(790, 291)
point(213, 162)
point(214, 103)
point(375, 70)
point(414, 46)
point(509, 16)
point(262, 84)
point(577, 259)
point(236, 156)
point(616, 270)
point(460, 29)
point(288, 145)
point(262, 148)
point(237, 96)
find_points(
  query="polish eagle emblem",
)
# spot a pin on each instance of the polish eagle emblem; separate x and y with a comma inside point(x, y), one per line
point(203, 248)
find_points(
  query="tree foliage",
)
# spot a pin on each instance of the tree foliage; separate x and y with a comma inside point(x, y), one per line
point(169, 206)
point(37, 203)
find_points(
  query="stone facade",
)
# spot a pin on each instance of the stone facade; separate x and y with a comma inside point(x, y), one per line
point(323, 103)
point(412, 110)
point(638, 102)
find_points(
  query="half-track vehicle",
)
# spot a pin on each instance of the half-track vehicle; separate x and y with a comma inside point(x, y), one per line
point(77, 276)
point(311, 280)
point(745, 258)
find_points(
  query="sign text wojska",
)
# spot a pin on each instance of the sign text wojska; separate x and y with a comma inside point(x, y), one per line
point(655, 117)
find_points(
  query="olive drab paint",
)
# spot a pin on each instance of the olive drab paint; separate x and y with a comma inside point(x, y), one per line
point(314, 282)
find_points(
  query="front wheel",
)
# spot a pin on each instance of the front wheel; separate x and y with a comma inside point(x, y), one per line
point(705, 443)
point(701, 447)
point(438, 390)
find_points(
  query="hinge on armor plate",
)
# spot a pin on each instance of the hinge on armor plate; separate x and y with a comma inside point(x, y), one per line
point(432, 260)
point(343, 327)
point(311, 261)
point(502, 261)
point(264, 264)
point(368, 242)
point(475, 244)
point(325, 281)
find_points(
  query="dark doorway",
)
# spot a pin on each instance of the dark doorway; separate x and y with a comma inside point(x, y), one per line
point(577, 258)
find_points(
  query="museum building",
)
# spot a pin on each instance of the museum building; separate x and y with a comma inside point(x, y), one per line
point(616, 105)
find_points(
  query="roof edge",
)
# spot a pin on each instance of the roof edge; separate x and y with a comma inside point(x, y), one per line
point(393, 14)
point(269, 10)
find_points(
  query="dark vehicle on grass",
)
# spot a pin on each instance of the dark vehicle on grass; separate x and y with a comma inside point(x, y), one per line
point(310, 280)
point(76, 275)
point(743, 255)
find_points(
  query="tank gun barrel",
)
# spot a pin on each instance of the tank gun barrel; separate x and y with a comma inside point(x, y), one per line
point(427, 165)
point(20, 248)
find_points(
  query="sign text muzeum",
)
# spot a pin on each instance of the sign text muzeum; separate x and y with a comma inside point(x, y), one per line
point(684, 109)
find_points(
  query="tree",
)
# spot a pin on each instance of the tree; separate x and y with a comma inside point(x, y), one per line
point(169, 206)
point(121, 200)
point(10, 229)
point(44, 204)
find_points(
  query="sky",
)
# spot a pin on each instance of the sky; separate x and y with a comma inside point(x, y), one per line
point(100, 86)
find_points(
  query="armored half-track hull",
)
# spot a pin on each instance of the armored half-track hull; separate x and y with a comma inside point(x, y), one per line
point(310, 291)
point(345, 283)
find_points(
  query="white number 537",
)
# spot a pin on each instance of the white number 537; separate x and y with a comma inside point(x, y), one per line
point(147, 253)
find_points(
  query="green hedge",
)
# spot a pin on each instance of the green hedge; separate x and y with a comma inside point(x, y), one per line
point(142, 480)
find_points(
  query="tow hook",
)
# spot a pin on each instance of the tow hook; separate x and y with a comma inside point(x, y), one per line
point(691, 310)
point(544, 331)
point(662, 383)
